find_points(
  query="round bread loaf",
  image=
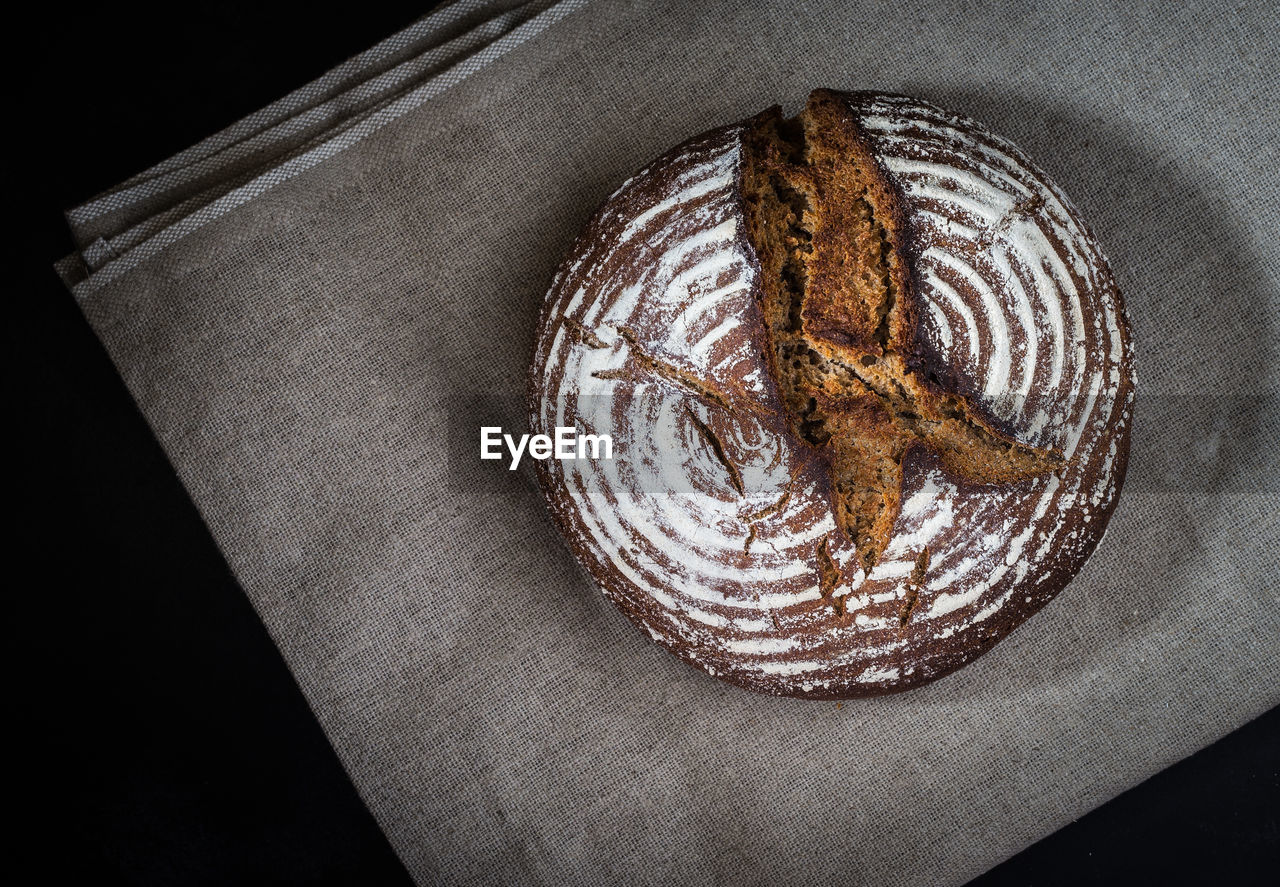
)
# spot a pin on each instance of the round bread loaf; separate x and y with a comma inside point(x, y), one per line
point(869, 384)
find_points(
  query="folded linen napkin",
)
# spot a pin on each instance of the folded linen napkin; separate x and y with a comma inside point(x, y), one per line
point(317, 308)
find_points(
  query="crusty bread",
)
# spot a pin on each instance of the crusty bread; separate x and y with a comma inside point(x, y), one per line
point(869, 382)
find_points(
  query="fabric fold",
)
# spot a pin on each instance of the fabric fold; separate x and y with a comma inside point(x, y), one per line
point(318, 308)
point(429, 44)
point(166, 204)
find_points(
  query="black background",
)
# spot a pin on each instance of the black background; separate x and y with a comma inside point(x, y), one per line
point(170, 744)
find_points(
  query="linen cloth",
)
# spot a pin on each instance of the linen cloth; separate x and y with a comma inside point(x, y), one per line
point(317, 308)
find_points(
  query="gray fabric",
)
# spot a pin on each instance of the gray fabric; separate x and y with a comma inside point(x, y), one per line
point(317, 344)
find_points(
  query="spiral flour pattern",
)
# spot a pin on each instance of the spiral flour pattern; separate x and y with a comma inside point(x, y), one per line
point(713, 529)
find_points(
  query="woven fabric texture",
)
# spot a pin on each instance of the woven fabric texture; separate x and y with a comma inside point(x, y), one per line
point(318, 309)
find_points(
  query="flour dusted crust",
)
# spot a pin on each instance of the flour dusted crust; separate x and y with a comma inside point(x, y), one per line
point(713, 527)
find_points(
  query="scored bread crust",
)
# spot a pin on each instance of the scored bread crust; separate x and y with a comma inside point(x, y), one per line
point(715, 527)
point(841, 320)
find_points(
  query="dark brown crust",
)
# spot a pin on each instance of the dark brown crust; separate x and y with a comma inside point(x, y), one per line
point(833, 103)
point(927, 660)
point(841, 319)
